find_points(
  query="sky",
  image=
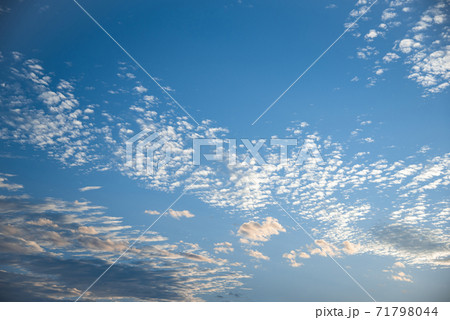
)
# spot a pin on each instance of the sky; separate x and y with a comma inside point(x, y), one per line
point(365, 219)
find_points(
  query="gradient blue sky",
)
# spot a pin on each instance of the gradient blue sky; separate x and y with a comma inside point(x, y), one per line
point(376, 105)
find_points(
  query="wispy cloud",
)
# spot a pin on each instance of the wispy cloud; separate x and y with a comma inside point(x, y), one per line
point(173, 213)
point(9, 186)
point(89, 188)
point(257, 255)
point(32, 235)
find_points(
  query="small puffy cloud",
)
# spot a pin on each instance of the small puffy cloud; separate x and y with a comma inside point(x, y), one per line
point(173, 213)
point(401, 276)
point(257, 255)
point(439, 19)
point(390, 57)
point(17, 55)
point(223, 247)
point(366, 52)
point(432, 70)
point(255, 231)
point(89, 188)
point(152, 212)
point(368, 140)
point(180, 214)
point(434, 15)
point(354, 79)
point(291, 257)
point(424, 149)
point(351, 248)
point(293, 254)
point(407, 45)
point(150, 99)
point(324, 249)
point(304, 124)
point(140, 89)
point(372, 34)
point(379, 71)
point(388, 14)
point(399, 264)
point(321, 248)
point(304, 255)
point(50, 98)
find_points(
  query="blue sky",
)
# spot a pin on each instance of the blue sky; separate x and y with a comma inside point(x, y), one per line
point(375, 211)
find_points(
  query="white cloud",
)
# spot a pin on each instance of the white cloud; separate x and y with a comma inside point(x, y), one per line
point(37, 234)
point(401, 276)
point(257, 255)
point(50, 98)
point(432, 70)
point(390, 56)
point(9, 186)
point(424, 149)
point(388, 14)
point(324, 249)
point(351, 248)
point(140, 89)
point(399, 264)
point(173, 213)
point(434, 15)
point(424, 45)
point(89, 188)
point(255, 231)
point(43, 222)
point(372, 34)
point(223, 247)
point(366, 52)
point(17, 55)
point(150, 99)
point(180, 214)
point(291, 256)
point(304, 124)
point(379, 71)
point(324, 195)
point(407, 45)
point(152, 212)
point(87, 230)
